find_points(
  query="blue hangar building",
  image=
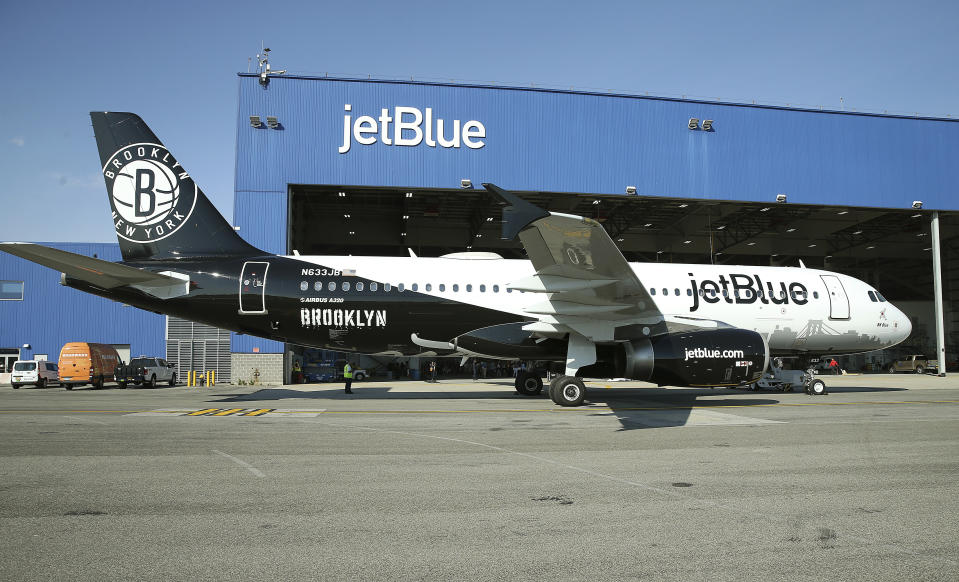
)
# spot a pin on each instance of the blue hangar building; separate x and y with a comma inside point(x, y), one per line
point(381, 167)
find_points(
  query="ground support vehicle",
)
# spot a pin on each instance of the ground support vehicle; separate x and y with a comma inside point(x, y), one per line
point(87, 363)
point(915, 363)
point(145, 371)
point(39, 373)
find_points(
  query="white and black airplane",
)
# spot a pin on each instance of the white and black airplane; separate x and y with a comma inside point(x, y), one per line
point(576, 302)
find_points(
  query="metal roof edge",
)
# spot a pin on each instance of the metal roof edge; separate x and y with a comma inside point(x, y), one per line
point(599, 94)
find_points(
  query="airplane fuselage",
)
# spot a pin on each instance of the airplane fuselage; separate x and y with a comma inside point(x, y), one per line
point(374, 304)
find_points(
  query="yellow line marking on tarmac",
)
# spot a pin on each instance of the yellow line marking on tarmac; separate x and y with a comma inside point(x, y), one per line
point(257, 412)
point(227, 412)
point(204, 411)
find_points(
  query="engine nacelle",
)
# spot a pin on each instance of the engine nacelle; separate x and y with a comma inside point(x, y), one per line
point(715, 357)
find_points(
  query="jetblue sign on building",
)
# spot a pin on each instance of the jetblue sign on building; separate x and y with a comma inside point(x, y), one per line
point(409, 126)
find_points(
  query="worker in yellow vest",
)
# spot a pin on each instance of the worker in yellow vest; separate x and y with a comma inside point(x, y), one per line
point(348, 376)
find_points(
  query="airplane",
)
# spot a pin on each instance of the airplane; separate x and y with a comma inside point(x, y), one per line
point(576, 303)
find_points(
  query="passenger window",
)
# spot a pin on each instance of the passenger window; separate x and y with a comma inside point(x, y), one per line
point(373, 286)
point(815, 294)
point(689, 292)
point(665, 291)
point(359, 286)
point(495, 288)
point(429, 287)
point(509, 289)
point(387, 287)
point(401, 287)
point(469, 288)
point(442, 287)
point(304, 285)
point(482, 288)
point(317, 286)
point(346, 285)
point(414, 287)
point(652, 291)
point(677, 292)
point(331, 286)
point(456, 287)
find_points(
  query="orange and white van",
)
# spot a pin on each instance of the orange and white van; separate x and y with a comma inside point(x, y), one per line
point(86, 363)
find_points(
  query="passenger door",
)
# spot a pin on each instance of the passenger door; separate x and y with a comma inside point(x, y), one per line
point(253, 287)
point(838, 301)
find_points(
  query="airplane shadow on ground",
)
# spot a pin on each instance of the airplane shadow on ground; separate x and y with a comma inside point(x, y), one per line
point(634, 408)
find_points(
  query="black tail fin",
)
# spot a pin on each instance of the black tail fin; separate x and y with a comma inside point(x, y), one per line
point(158, 212)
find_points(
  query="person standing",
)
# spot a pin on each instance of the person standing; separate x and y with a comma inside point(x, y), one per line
point(834, 366)
point(433, 371)
point(475, 369)
point(348, 376)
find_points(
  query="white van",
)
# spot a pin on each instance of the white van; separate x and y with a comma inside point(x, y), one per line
point(33, 372)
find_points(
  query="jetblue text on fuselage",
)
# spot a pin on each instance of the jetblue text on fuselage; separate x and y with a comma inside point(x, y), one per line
point(408, 126)
point(739, 288)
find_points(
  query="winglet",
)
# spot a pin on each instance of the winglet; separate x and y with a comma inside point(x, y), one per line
point(518, 215)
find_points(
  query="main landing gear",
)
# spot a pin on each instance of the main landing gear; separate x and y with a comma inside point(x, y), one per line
point(567, 391)
point(528, 383)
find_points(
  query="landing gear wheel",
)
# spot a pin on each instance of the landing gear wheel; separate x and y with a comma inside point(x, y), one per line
point(816, 388)
point(567, 391)
point(528, 384)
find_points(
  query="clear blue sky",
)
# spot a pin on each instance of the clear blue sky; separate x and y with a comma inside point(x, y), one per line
point(175, 64)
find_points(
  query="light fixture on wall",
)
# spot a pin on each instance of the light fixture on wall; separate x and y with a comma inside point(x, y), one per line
point(255, 121)
point(631, 190)
point(466, 183)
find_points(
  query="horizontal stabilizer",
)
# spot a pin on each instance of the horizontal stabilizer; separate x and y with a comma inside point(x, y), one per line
point(100, 273)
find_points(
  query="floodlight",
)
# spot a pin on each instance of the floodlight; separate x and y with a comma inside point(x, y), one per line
point(707, 125)
point(693, 123)
point(255, 121)
point(780, 197)
point(917, 204)
point(631, 190)
point(272, 122)
point(465, 183)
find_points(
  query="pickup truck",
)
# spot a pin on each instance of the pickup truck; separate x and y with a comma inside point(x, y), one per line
point(916, 363)
point(146, 371)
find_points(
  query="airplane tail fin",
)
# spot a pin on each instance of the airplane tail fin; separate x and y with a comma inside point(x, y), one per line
point(158, 211)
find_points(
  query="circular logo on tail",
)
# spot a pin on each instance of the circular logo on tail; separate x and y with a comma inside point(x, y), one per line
point(151, 195)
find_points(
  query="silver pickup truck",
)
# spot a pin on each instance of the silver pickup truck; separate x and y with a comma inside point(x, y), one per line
point(145, 371)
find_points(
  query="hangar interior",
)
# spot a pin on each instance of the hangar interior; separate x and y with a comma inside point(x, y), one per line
point(889, 248)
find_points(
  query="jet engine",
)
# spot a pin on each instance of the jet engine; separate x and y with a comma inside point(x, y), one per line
point(716, 357)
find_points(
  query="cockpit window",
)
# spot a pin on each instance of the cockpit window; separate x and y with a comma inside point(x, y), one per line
point(872, 297)
point(881, 298)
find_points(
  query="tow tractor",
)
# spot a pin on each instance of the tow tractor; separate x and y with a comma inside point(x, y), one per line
point(785, 380)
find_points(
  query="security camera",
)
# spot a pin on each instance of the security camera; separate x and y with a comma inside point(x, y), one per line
point(917, 204)
point(464, 183)
point(631, 190)
point(780, 197)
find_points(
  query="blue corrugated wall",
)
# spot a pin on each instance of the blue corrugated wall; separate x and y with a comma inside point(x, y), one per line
point(51, 315)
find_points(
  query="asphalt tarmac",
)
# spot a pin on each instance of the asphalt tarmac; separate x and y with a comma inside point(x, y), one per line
point(467, 481)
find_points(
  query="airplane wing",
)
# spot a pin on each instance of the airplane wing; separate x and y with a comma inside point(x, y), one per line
point(586, 282)
point(100, 273)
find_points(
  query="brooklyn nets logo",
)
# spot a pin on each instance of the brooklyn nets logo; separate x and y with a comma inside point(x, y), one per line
point(151, 195)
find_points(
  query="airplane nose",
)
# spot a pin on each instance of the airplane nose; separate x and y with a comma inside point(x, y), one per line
point(905, 325)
